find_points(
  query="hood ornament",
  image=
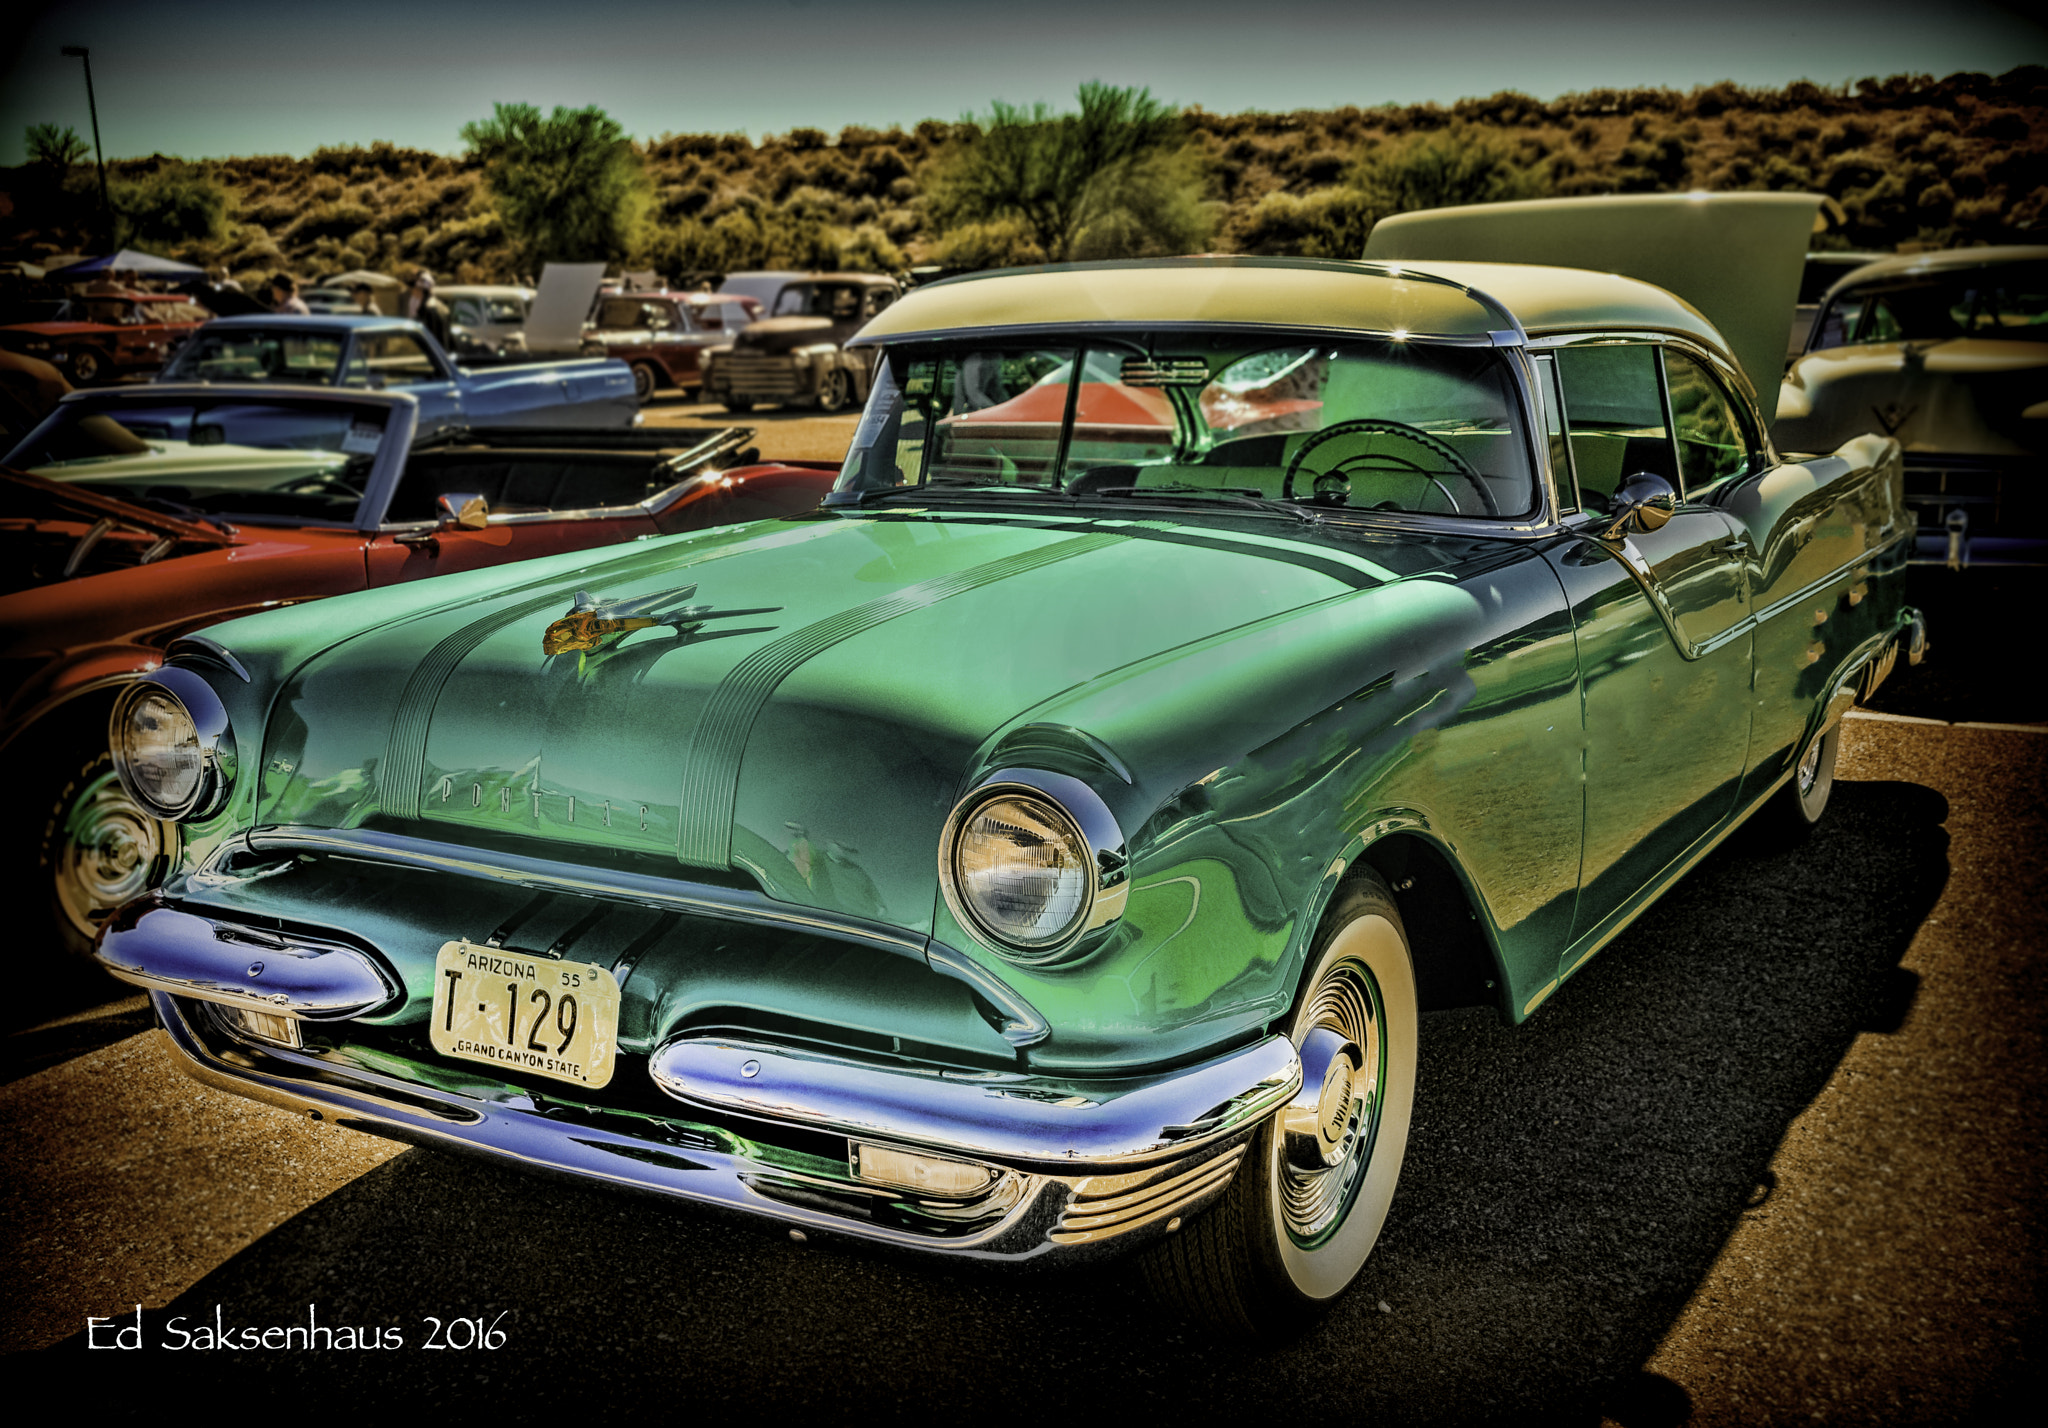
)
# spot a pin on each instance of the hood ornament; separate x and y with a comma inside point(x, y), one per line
point(592, 624)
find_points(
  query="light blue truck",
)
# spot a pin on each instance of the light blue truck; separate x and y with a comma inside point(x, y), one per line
point(397, 355)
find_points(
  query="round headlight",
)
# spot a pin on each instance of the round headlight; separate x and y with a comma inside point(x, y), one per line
point(1031, 866)
point(169, 737)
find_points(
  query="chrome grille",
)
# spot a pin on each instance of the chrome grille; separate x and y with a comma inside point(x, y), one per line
point(757, 374)
point(1107, 1205)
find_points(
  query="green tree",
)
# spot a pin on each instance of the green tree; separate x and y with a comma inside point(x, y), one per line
point(58, 148)
point(1115, 179)
point(570, 185)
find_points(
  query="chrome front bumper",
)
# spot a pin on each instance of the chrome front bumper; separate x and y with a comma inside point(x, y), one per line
point(1060, 1167)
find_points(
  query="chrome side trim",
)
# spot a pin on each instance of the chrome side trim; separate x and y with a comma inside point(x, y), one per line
point(166, 950)
point(1108, 1205)
point(1013, 1119)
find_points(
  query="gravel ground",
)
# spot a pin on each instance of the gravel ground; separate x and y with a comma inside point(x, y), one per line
point(1776, 1154)
point(781, 436)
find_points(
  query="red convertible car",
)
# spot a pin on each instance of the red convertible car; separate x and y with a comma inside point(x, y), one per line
point(130, 519)
point(103, 336)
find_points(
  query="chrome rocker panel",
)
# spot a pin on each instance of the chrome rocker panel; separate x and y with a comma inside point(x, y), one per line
point(1073, 1170)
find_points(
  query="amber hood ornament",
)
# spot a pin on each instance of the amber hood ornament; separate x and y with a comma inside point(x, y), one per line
point(592, 624)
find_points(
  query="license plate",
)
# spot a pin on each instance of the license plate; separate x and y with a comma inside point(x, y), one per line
point(525, 1013)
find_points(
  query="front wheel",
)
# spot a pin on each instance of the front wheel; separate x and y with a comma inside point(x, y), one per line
point(96, 849)
point(835, 393)
point(738, 406)
point(1306, 1207)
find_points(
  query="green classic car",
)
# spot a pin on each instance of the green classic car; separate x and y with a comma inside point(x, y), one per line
point(1046, 847)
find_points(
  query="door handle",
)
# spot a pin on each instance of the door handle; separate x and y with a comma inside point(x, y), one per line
point(1733, 547)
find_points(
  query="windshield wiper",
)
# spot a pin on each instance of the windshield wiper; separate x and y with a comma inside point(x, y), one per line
point(1221, 493)
point(177, 508)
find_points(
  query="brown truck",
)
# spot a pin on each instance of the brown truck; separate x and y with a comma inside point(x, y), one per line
point(795, 355)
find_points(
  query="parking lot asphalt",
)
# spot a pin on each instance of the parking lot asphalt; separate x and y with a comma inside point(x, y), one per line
point(1776, 1155)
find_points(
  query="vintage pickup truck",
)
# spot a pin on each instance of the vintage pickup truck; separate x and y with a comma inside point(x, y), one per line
point(393, 354)
point(796, 355)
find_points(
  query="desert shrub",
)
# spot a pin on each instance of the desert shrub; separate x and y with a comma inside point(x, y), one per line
point(1436, 170)
point(177, 204)
point(869, 250)
point(1329, 223)
point(998, 243)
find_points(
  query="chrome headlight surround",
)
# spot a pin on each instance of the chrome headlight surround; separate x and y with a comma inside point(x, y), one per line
point(1078, 813)
point(206, 732)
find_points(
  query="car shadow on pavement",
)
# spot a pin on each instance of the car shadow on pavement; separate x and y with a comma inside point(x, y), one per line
point(1568, 1186)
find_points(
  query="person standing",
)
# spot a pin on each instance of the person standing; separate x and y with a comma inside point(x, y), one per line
point(424, 308)
point(365, 300)
point(284, 296)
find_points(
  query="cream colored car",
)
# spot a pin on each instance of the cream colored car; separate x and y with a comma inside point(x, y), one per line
point(1948, 353)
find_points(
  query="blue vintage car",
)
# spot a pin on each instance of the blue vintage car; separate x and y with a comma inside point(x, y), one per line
point(398, 355)
point(1047, 846)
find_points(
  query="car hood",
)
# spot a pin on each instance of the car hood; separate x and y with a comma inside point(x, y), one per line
point(56, 531)
point(804, 719)
point(1964, 396)
point(785, 334)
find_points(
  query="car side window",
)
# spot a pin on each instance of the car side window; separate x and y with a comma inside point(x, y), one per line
point(1614, 415)
point(1713, 442)
point(396, 357)
point(878, 298)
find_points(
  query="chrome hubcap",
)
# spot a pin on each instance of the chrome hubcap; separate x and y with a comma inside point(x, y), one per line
point(110, 851)
point(1809, 767)
point(1328, 1129)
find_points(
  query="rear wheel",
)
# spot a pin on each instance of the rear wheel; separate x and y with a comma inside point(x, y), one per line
point(645, 382)
point(1297, 1223)
point(1800, 804)
point(87, 366)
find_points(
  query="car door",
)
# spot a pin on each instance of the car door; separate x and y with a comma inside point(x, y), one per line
point(1663, 628)
point(538, 504)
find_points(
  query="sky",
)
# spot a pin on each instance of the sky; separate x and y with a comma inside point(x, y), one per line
point(237, 77)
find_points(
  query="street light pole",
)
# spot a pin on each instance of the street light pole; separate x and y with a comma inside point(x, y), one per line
point(92, 107)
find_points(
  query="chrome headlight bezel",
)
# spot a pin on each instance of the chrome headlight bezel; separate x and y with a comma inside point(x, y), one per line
point(1107, 864)
point(211, 732)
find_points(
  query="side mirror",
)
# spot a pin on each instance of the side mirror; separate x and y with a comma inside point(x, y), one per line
point(462, 510)
point(1643, 502)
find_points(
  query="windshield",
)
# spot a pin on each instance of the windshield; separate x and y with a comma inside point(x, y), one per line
point(2009, 301)
point(836, 302)
point(255, 354)
point(1383, 426)
point(305, 462)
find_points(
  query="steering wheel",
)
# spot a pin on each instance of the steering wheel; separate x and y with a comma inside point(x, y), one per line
point(1435, 445)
